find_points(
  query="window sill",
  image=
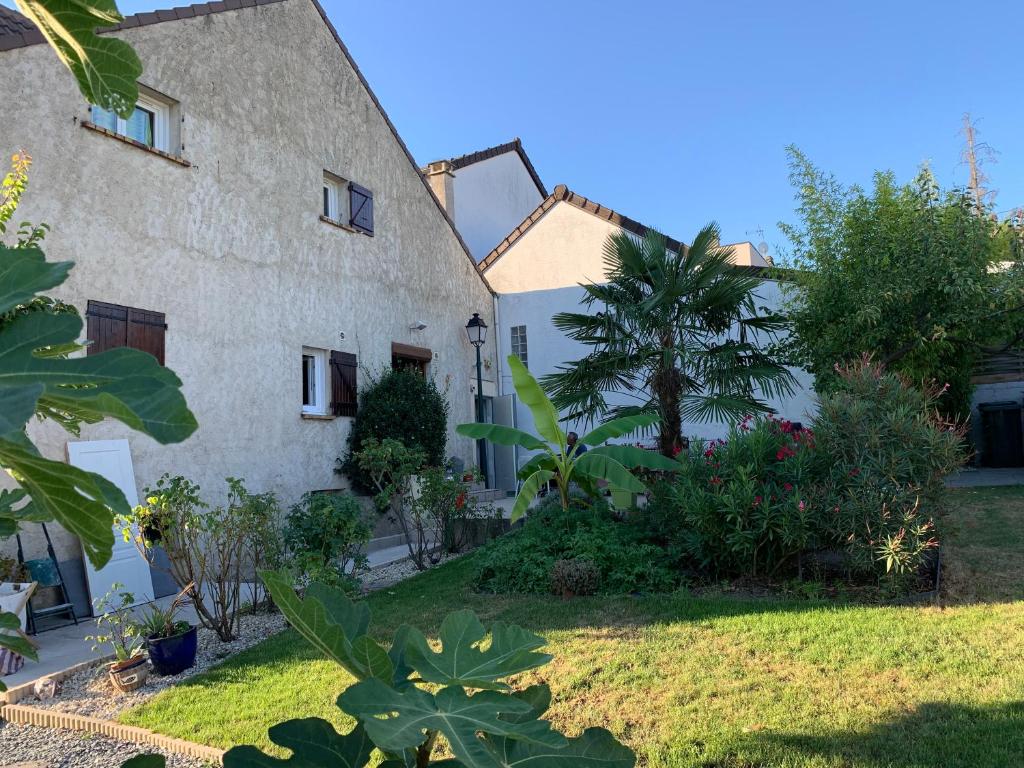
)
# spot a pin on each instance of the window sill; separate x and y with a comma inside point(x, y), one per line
point(346, 227)
point(318, 416)
point(137, 144)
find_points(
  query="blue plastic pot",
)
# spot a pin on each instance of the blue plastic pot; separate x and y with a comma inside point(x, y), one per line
point(173, 655)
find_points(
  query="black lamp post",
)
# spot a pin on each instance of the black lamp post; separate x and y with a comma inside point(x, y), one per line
point(476, 329)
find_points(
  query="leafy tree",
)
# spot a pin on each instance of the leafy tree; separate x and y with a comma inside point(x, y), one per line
point(907, 273)
point(678, 332)
point(556, 461)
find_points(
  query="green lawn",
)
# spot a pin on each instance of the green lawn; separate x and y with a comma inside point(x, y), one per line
point(714, 682)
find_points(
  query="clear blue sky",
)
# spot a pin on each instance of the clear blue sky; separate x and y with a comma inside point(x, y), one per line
point(676, 113)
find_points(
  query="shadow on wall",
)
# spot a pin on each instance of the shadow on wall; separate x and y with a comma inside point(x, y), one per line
point(935, 735)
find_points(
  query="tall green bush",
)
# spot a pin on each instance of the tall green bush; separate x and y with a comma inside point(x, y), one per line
point(883, 454)
point(398, 405)
point(325, 535)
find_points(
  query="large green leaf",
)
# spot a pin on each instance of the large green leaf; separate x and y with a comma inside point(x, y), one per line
point(145, 761)
point(633, 457)
point(314, 744)
point(25, 272)
point(594, 748)
point(10, 623)
point(333, 624)
point(83, 502)
point(462, 661)
point(502, 435)
point(603, 467)
point(537, 461)
point(531, 487)
point(397, 721)
point(125, 384)
point(538, 697)
point(545, 417)
point(106, 68)
point(624, 425)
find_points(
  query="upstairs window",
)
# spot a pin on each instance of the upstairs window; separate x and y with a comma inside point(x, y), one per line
point(519, 344)
point(149, 124)
point(109, 326)
point(335, 198)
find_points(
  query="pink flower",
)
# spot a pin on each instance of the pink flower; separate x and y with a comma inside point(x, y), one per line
point(801, 506)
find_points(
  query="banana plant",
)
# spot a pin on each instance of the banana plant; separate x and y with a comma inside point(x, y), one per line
point(556, 460)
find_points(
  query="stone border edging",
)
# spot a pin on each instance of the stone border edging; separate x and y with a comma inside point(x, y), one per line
point(49, 718)
point(25, 690)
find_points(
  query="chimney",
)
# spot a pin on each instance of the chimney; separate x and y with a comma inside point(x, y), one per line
point(441, 177)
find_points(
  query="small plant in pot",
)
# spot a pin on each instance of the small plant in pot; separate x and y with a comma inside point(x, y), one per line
point(116, 628)
point(171, 642)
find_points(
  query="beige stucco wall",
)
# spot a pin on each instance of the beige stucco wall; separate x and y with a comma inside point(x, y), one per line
point(563, 248)
point(232, 249)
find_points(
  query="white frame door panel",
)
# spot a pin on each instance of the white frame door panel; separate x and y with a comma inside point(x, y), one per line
point(112, 459)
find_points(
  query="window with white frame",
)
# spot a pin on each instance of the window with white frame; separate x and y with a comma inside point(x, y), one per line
point(335, 198)
point(314, 381)
point(149, 124)
point(519, 344)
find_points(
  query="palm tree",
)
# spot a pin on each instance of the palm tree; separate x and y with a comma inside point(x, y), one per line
point(677, 332)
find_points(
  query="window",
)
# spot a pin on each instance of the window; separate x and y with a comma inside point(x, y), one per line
point(314, 381)
point(405, 357)
point(150, 123)
point(519, 343)
point(111, 325)
point(335, 198)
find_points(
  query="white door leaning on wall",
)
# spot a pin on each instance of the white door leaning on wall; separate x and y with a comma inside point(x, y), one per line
point(112, 459)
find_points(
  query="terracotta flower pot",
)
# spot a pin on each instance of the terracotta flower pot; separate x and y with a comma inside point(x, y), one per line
point(129, 675)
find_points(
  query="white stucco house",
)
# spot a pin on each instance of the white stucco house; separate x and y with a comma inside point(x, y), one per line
point(272, 251)
point(537, 267)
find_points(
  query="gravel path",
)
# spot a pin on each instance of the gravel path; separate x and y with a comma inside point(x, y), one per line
point(56, 748)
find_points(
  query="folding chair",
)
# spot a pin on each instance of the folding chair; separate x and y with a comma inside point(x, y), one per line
point(46, 573)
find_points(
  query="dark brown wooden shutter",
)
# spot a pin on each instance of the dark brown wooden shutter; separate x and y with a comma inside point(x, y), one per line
point(109, 326)
point(360, 202)
point(343, 384)
point(146, 332)
point(106, 326)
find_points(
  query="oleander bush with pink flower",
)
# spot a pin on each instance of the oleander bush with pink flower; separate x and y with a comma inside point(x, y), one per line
point(883, 453)
point(739, 505)
point(861, 491)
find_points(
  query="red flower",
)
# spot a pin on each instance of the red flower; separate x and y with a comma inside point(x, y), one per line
point(757, 501)
point(709, 453)
point(788, 487)
point(460, 501)
point(855, 471)
point(716, 480)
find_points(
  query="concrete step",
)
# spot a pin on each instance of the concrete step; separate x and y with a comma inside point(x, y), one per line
point(488, 494)
point(385, 542)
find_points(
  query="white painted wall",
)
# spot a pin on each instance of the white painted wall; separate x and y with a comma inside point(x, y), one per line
point(492, 197)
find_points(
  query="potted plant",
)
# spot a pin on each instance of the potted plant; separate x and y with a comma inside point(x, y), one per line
point(116, 628)
point(171, 642)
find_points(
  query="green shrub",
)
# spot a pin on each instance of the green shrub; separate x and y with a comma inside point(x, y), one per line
point(325, 534)
point(575, 576)
point(738, 507)
point(402, 406)
point(883, 455)
point(521, 562)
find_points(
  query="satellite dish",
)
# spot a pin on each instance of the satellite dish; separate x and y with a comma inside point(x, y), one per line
point(762, 247)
